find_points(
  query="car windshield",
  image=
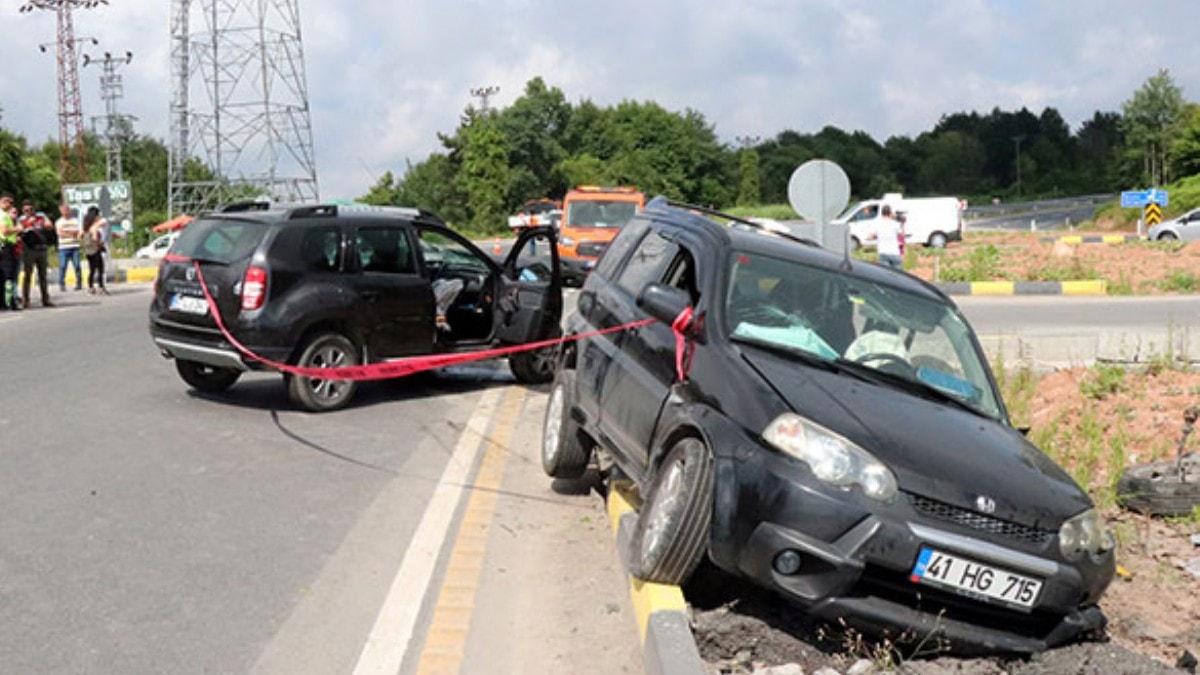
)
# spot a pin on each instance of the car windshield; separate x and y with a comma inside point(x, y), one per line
point(599, 213)
point(872, 328)
point(220, 241)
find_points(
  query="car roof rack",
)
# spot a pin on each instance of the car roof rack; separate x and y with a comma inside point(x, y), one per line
point(245, 206)
point(335, 210)
point(743, 222)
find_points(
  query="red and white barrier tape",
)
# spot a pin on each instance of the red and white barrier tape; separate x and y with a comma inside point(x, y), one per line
point(418, 364)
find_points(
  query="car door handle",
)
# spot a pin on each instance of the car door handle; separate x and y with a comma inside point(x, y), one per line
point(370, 296)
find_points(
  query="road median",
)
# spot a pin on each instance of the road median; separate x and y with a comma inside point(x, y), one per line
point(668, 646)
point(1009, 288)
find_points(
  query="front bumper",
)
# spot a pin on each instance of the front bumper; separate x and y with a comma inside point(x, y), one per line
point(857, 554)
point(575, 270)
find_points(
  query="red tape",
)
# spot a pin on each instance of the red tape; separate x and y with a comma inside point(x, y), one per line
point(416, 364)
point(683, 346)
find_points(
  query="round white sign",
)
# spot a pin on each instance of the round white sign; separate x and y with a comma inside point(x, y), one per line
point(819, 190)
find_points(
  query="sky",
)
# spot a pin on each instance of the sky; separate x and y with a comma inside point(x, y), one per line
point(385, 76)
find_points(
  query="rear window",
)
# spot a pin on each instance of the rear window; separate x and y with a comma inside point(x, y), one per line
point(220, 241)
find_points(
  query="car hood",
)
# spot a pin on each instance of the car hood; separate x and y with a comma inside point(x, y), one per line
point(935, 450)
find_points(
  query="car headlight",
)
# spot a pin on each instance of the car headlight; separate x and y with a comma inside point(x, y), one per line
point(567, 241)
point(1085, 533)
point(831, 458)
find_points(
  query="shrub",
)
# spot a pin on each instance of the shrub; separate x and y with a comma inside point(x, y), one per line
point(1102, 381)
point(1180, 281)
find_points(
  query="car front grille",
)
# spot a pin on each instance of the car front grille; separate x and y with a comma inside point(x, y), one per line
point(977, 521)
point(591, 248)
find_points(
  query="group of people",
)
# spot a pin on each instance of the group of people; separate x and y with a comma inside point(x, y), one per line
point(26, 237)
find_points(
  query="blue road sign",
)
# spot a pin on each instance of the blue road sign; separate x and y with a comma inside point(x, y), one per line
point(1136, 199)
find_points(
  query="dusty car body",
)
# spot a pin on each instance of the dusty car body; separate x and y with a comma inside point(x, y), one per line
point(836, 452)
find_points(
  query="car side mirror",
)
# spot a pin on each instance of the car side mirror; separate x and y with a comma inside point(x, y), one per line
point(664, 303)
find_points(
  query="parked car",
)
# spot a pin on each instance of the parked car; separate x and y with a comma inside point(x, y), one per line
point(1183, 228)
point(838, 438)
point(157, 249)
point(592, 216)
point(933, 221)
point(326, 286)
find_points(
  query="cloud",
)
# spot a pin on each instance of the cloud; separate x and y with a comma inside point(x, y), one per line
point(385, 76)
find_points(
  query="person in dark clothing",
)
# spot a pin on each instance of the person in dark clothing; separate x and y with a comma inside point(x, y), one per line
point(36, 232)
point(93, 249)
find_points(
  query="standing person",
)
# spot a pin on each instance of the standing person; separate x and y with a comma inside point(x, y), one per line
point(93, 248)
point(887, 239)
point(36, 232)
point(9, 240)
point(68, 246)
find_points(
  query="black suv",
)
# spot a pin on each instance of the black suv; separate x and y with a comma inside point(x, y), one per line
point(327, 286)
point(838, 438)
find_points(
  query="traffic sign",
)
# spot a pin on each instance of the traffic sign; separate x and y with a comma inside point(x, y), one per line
point(1153, 215)
point(819, 190)
point(1136, 199)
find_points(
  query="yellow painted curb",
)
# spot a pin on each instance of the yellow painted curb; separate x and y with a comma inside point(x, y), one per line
point(1114, 239)
point(141, 274)
point(1071, 239)
point(1085, 287)
point(648, 598)
point(992, 288)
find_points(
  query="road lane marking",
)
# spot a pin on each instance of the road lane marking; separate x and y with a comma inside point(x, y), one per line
point(446, 641)
point(387, 643)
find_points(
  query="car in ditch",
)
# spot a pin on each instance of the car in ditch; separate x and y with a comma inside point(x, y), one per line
point(326, 286)
point(837, 437)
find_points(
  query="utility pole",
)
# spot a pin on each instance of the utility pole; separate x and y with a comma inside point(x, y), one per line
point(240, 115)
point(116, 126)
point(485, 94)
point(1017, 140)
point(73, 163)
point(747, 142)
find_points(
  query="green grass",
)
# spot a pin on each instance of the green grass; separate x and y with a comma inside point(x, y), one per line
point(1102, 381)
point(773, 211)
point(1180, 281)
point(1122, 286)
point(983, 264)
point(1075, 270)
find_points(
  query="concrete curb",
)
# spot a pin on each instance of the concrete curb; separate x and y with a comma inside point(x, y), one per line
point(136, 275)
point(668, 646)
point(1006, 288)
point(1093, 239)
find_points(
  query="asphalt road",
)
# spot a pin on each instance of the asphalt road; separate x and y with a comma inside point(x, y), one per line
point(1031, 314)
point(149, 529)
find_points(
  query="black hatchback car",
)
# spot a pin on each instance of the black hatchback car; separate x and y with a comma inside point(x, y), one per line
point(838, 438)
point(328, 286)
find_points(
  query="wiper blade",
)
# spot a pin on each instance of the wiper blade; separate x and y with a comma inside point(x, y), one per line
point(911, 385)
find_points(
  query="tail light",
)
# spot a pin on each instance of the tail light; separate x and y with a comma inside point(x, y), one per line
point(254, 288)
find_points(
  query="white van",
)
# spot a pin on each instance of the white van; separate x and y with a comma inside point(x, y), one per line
point(932, 221)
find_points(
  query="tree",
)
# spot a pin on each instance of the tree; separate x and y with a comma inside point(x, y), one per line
point(748, 187)
point(1149, 117)
point(485, 173)
point(1185, 149)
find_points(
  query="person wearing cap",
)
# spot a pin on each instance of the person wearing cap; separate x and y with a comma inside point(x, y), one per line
point(36, 233)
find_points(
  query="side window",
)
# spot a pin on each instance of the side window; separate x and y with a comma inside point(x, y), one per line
point(683, 276)
point(621, 245)
point(647, 264)
point(443, 253)
point(321, 249)
point(385, 250)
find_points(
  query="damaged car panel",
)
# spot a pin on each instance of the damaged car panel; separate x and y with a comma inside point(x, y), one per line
point(838, 438)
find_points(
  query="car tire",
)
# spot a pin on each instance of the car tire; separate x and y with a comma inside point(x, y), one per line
point(535, 367)
point(938, 240)
point(1156, 489)
point(206, 378)
point(1168, 236)
point(564, 455)
point(323, 350)
point(672, 532)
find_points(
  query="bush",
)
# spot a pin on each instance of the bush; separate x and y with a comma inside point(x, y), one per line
point(1102, 381)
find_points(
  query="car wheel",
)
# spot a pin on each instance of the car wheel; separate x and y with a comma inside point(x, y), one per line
point(855, 244)
point(1158, 489)
point(672, 530)
point(1167, 236)
point(535, 367)
point(206, 378)
point(328, 350)
point(563, 453)
point(938, 240)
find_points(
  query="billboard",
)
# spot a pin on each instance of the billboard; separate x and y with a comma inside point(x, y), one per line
point(115, 201)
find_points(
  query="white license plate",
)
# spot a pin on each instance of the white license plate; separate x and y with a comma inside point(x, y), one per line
point(969, 577)
point(189, 305)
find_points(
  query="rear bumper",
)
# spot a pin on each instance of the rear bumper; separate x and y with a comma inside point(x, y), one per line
point(208, 355)
point(207, 346)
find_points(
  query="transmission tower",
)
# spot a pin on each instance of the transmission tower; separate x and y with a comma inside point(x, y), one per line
point(240, 123)
point(117, 127)
point(485, 94)
point(73, 162)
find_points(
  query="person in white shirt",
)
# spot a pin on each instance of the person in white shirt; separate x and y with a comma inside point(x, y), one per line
point(68, 246)
point(887, 239)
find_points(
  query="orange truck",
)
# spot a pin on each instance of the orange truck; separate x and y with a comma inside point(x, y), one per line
point(592, 217)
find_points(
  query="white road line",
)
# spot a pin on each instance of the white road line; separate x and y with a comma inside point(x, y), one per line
point(388, 642)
